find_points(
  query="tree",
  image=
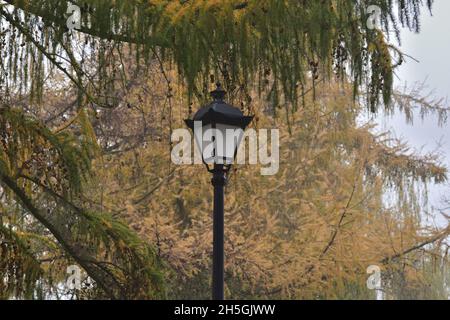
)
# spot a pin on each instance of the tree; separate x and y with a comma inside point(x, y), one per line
point(63, 92)
point(236, 40)
point(42, 222)
point(310, 231)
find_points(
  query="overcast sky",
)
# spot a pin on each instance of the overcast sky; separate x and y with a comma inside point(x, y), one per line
point(431, 47)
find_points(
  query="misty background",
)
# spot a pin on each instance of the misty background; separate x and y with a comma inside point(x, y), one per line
point(431, 49)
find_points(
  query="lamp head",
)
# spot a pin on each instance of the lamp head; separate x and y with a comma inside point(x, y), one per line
point(219, 124)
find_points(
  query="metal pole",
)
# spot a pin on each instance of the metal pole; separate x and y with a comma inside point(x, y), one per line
point(218, 181)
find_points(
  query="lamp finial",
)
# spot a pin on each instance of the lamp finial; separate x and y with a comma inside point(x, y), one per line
point(219, 93)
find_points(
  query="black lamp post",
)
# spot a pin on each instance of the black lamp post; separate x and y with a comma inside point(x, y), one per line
point(225, 126)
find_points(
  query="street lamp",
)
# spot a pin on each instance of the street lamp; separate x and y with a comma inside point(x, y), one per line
point(218, 130)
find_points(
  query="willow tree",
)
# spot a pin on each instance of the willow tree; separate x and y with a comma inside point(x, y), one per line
point(310, 231)
point(45, 227)
point(274, 48)
point(235, 40)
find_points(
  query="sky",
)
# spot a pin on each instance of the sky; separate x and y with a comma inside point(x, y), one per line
point(431, 47)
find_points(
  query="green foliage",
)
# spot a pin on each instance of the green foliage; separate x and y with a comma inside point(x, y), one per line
point(19, 269)
point(27, 145)
point(308, 232)
point(282, 44)
point(42, 175)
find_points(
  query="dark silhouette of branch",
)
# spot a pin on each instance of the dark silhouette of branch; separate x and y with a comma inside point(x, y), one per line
point(438, 237)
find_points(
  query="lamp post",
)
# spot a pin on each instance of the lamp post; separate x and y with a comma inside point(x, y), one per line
point(218, 130)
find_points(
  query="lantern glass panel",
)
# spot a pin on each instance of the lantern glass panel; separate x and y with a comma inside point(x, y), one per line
point(218, 143)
